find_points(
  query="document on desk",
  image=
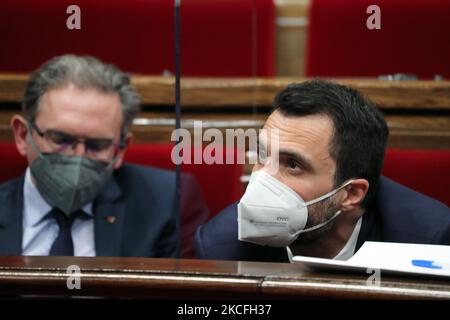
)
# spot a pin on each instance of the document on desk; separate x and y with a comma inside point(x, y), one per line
point(390, 257)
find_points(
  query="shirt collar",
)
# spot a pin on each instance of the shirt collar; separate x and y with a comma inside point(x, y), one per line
point(35, 207)
point(349, 249)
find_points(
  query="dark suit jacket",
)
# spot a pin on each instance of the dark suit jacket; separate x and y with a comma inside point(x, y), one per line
point(140, 198)
point(398, 215)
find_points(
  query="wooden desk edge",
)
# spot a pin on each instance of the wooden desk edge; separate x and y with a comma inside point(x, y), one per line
point(206, 279)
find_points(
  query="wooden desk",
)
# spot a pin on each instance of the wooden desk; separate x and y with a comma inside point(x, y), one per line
point(199, 279)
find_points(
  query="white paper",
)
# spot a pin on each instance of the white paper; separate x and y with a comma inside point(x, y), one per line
point(388, 257)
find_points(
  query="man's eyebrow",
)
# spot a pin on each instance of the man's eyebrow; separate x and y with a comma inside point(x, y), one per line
point(75, 136)
point(304, 162)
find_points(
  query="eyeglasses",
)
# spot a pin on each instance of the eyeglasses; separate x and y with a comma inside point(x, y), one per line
point(61, 141)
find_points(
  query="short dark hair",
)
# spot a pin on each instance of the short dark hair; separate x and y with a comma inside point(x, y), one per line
point(360, 132)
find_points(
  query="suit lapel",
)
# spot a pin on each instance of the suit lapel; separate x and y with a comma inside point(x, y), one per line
point(109, 221)
point(11, 212)
point(370, 228)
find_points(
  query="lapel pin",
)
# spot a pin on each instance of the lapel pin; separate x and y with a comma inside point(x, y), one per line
point(111, 219)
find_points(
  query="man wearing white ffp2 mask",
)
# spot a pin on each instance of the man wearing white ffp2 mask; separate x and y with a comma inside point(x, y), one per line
point(270, 213)
point(327, 196)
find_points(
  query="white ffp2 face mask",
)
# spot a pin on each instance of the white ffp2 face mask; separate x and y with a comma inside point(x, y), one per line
point(270, 213)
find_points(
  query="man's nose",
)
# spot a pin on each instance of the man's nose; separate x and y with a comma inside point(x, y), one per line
point(80, 149)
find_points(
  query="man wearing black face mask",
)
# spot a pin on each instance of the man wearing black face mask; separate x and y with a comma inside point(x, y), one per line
point(77, 197)
point(326, 197)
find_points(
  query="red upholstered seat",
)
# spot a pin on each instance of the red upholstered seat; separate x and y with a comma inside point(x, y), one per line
point(218, 38)
point(413, 38)
point(12, 164)
point(220, 184)
point(425, 171)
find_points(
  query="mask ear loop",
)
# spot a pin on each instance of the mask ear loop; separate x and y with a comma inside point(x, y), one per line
point(122, 140)
point(327, 195)
point(320, 225)
point(122, 145)
point(31, 140)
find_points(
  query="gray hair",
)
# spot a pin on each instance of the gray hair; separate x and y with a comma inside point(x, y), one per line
point(83, 72)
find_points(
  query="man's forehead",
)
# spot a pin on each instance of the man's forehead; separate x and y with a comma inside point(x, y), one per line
point(305, 137)
point(72, 98)
point(82, 111)
point(309, 130)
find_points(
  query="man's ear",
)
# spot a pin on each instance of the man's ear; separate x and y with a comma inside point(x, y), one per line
point(119, 161)
point(355, 194)
point(20, 132)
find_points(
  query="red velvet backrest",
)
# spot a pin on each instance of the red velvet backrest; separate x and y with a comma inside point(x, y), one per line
point(12, 164)
point(220, 184)
point(427, 171)
point(219, 38)
point(414, 38)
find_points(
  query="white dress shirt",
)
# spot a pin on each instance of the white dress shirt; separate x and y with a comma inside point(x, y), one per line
point(40, 230)
point(347, 251)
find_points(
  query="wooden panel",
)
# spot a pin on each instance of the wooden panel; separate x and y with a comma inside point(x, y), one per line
point(291, 37)
point(417, 112)
point(408, 132)
point(259, 92)
point(170, 278)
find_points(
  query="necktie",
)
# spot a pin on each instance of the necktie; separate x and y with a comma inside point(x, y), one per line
point(63, 245)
